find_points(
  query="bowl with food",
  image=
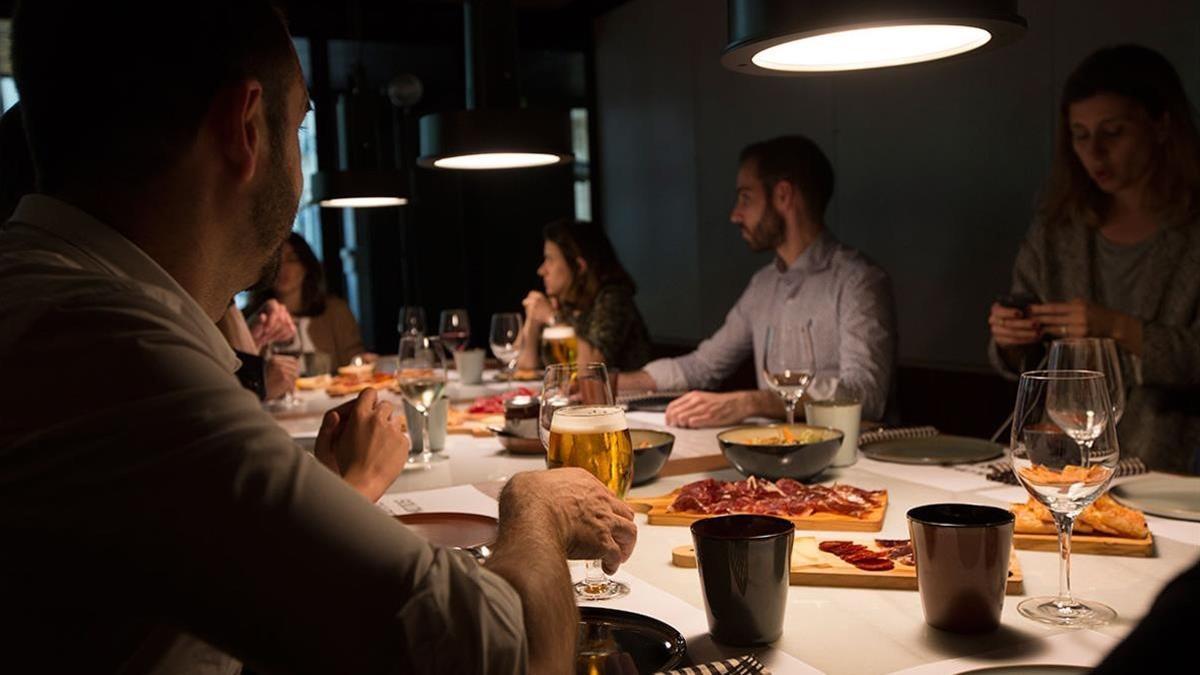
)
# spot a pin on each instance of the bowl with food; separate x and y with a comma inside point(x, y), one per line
point(651, 448)
point(774, 451)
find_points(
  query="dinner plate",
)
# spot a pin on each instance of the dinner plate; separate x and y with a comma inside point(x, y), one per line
point(1167, 496)
point(1027, 669)
point(611, 637)
point(941, 449)
point(459, 530)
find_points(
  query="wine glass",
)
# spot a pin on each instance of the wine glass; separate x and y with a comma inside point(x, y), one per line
point(1064, 451)
point(454, 327)
point(421, 377)
point(789, 362)
point(581, 426)
point(1098, 354)
point(292, 348)
point(505, 339)
point(411, 321)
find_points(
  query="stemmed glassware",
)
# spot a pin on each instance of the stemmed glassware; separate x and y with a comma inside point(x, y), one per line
point(1098, 354)
point(454, 327)
point(505, 340)
point(411, 321)
point(421, 377)
point(581, 426)
point(789, 362)
point(1064, 451)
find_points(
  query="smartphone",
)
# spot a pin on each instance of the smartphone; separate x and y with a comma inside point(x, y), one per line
point(1020, 301)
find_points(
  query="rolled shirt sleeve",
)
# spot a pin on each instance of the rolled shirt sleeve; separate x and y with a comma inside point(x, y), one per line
point(714, 359)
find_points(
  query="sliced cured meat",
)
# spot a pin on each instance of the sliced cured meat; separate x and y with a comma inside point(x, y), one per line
point(784, 498)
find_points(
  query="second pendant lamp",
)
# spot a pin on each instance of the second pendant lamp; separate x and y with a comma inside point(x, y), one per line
point(493, 132)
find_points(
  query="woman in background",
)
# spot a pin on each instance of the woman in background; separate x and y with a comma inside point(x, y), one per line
point(324, 322)
point(1115, 252)
point(587, 289)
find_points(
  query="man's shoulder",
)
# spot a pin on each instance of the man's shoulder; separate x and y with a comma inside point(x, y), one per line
point(852, 264)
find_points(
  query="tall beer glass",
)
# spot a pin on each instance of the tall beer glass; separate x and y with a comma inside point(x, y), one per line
point(559, 345)
point(596, 439)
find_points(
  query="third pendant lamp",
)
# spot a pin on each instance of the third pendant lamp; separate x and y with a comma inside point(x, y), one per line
point(786, 37)
point(493, 132)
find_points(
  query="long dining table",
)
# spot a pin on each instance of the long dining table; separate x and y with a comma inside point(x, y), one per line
point(831, 630)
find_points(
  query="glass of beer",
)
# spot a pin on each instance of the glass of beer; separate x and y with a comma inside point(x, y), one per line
point(580, 425)
point(559, 345)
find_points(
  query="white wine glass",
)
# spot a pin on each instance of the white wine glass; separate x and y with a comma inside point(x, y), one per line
point(581, 426)
point(505, 340)
point(1064, 451)
point(421, 378)
point(1098, 354)
point(789, 362)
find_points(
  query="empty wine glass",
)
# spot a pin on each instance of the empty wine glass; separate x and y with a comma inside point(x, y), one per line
point(1098, 354)
point(411, 321)
point(789, 362)
point(1064, 451)
point(454, 327)
point(505, 340)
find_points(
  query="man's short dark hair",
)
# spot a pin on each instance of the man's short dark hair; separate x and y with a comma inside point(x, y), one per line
point(114, 91)
point(799, 161)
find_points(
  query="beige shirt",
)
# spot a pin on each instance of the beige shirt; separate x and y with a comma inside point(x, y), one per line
point(145, 495)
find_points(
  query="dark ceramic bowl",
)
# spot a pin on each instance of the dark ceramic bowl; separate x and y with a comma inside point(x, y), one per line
point(799, 461)
point(649, 460)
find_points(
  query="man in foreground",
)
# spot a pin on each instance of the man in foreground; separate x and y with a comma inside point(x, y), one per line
point(154, 518)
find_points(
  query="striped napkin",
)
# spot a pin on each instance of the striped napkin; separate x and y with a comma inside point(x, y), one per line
point(1001, 471)
point(742, 665)
point(895, 434)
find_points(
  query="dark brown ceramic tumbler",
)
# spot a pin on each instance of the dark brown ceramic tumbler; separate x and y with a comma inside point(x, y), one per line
point(744, 564)
point(962, 553)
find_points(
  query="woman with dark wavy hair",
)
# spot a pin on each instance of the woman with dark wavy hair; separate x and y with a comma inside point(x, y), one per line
point(1115, 252)
point(589, 290)
point(324, 322)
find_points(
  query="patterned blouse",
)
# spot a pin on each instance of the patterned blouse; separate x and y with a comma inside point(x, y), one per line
point(614, 326)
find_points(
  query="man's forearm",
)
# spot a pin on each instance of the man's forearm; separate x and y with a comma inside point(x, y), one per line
point(637, 381)
point(535, 565)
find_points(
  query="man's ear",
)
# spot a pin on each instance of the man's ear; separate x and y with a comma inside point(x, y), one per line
point(238, 119)
point(787, 198)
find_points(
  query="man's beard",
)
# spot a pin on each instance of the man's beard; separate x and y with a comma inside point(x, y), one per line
point(272, 212)
point(767, 234)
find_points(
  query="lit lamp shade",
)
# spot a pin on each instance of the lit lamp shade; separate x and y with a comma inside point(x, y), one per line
point(359, 188)
point(783, 37)
point(495, 139)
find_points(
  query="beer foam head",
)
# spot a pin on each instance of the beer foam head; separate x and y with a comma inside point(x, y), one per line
point(589, 419)
point(558, 333)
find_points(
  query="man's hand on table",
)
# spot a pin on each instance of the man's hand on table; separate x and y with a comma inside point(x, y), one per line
point(364, 442)
point(584, 516)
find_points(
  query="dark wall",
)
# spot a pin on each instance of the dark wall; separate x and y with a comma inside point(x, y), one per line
point(938, 166)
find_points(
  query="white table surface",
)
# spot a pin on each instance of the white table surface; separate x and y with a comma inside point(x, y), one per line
point(843, 630)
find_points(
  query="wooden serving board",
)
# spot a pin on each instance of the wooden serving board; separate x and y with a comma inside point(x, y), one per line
point(656, 509)
point(814, 567)
point(1087, 543)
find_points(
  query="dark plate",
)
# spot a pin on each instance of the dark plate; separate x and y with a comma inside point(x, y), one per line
point(1163, 495)
point(518, 445)
point(608, 639)
point(647, 462)
point(941, 449)
point(460, 530)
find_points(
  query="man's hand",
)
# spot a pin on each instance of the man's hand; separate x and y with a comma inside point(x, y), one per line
point(1010, 327)
point(281, 375)
point(273, 324)
point(583, 516)
point(698, 409)
point(538, 308)
point(364, 441)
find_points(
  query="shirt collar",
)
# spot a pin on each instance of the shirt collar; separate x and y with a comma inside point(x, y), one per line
point(814, 258)
point(113, 253)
